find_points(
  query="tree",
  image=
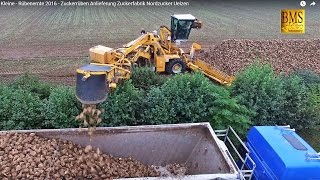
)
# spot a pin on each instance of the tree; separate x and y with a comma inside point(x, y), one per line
point(260, 90)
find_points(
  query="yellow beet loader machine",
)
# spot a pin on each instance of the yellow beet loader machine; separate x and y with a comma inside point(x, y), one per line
point(159, 51)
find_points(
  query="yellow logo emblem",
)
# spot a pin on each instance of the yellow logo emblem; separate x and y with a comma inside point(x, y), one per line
point(293, 21)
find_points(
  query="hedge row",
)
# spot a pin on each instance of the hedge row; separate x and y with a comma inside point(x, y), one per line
point(279, 99)
point(184, 98)
point(258, 96)
point(27, 103)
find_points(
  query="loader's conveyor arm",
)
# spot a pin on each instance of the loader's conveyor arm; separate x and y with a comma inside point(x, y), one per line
point(211, 72)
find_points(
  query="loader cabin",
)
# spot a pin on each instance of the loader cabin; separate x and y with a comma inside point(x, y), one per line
point(181, 25)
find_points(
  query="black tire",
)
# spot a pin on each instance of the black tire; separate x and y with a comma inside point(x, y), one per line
point(176, 66)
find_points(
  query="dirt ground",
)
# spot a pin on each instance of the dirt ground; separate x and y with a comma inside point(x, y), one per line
point(51, 32)
point(53, 41)
point(55, 70)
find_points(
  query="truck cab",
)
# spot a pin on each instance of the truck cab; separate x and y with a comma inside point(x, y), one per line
point(181, 25)
point(280, 153)
point(272, 153)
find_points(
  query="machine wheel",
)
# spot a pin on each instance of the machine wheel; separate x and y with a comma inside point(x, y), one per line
point(176, 66)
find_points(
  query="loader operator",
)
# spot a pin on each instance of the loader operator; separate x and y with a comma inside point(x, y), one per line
point(182, 29)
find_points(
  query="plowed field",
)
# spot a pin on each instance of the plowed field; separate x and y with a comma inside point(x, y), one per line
point(53, 41)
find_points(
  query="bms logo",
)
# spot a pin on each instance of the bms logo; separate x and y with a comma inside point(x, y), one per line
point(293, 21)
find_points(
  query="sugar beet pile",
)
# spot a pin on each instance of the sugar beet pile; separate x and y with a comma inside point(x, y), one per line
point(285, 55)
point(28, 156)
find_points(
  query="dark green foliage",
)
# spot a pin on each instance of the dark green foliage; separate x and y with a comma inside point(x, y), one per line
point(32, 84)
point(309, 77)
point(145, 78)
point(19, 109)
point(295, 103)
point(61, 108)
point(228, 112)
point(183, 98)
point(257, 94)
point(157, 109)
point(188, 98)
point(2, 88)
point(259, 89)
point(313, 105)
point(123, 106)
point(276, 99)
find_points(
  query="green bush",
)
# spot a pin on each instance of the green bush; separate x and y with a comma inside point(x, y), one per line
point(61, 108)
point(32, 84)
point(19, 109)
point(2, 88)
point(260, 90)
point(145, 78)
point(276, 99)
point(228, 112)
point(185, 97)
point(157, 108)
point(257, 93)
point(313, 105)
point(123, 106)
point(309, 77)
point(294, 109)
point(189, 98)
